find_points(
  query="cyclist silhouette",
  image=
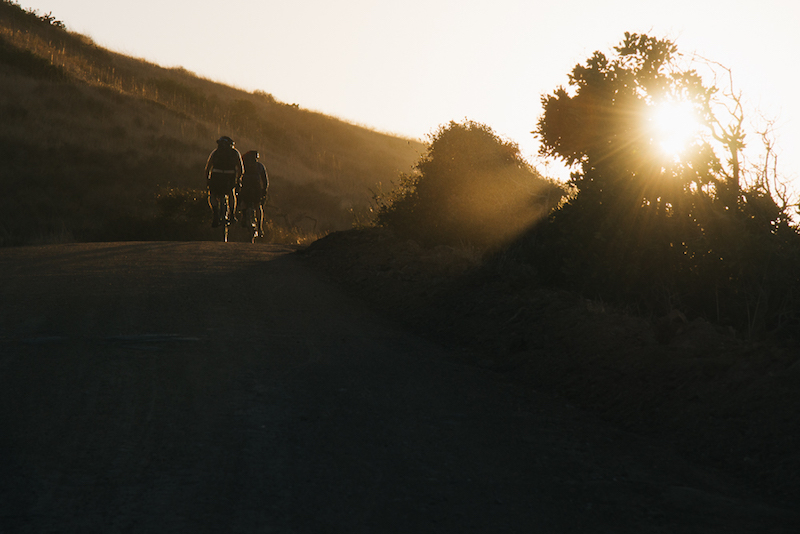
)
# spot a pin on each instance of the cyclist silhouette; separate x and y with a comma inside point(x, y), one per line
point(253, 191)
point(223, 170)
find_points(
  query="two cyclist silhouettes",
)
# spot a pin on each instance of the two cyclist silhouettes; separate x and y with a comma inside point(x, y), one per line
point(228, 175)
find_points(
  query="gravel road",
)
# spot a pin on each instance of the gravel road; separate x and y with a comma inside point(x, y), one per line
point(210, 387)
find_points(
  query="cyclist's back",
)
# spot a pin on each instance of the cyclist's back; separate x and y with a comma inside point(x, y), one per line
point(223, 169)
point(253, 191)
point(255, 180)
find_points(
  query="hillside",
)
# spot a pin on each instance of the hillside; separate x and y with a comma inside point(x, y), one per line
point(101, 146)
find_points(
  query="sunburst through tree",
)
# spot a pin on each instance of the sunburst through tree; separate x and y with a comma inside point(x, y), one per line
point(659, 218)
point(673, 126)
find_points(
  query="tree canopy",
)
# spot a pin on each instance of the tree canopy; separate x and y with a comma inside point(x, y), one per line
point(659, 218)
point(608, 124)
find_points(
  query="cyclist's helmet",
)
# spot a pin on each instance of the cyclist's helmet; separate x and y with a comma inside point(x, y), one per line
point(250, 157)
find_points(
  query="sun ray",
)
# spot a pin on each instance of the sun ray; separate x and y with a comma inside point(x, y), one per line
point(673, 127)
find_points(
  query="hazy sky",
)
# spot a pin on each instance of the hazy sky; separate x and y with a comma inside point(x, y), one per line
point(409, 66)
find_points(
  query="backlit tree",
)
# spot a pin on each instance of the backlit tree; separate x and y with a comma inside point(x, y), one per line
point(658, 217)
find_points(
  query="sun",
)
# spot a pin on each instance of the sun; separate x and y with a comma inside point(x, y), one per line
point(673, 126)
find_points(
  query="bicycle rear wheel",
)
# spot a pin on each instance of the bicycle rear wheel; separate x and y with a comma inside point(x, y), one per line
point(226, 215)
point(251, 221)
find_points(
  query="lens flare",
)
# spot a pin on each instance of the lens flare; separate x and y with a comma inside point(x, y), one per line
point(674, 126)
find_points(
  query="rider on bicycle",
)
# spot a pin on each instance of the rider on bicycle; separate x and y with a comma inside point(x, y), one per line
point(253, 191)
point(223, 171)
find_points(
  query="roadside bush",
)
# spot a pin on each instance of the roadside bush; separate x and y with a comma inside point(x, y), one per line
point(183, 204)
point(471, 187)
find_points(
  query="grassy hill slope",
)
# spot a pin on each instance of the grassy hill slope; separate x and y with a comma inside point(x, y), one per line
point(101, 146)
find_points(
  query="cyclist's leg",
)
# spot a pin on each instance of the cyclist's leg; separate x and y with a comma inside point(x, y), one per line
point(213, 201)
point(260, 219)
point(232, 201)
point(244, 206)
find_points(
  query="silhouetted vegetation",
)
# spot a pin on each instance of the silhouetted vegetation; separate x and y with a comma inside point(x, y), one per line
point(91, 141)
point(471, 187)
point(655, 225)
point(32, 16)
point(661, 233)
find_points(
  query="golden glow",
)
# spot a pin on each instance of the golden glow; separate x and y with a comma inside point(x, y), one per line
point(674, 126)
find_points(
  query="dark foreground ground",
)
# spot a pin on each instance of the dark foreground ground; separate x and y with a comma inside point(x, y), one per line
point(209, 387)
point(719, 400)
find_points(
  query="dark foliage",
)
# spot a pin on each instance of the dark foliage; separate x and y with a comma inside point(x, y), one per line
point(471, 188)
point(655, 232)
point(30, 16)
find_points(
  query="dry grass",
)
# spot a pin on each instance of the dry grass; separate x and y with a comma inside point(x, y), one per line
point(84, 128)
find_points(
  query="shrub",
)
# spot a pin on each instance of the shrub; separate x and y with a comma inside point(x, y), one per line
point(13, 9)
point(471, 187)
point(183, 204)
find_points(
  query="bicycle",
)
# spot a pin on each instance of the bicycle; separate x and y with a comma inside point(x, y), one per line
point(250, 219)
point(222, 206)
point(226, 221)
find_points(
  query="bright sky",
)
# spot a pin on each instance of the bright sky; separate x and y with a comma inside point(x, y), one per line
point(408, 66)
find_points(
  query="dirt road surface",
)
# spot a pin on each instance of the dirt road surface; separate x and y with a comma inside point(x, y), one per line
point(210, 387)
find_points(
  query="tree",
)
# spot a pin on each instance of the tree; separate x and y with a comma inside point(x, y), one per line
point(607, 126)
point(658, 218)
point(470, 187)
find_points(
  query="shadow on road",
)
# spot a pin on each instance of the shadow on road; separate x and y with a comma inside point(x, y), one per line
point(206, 387)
